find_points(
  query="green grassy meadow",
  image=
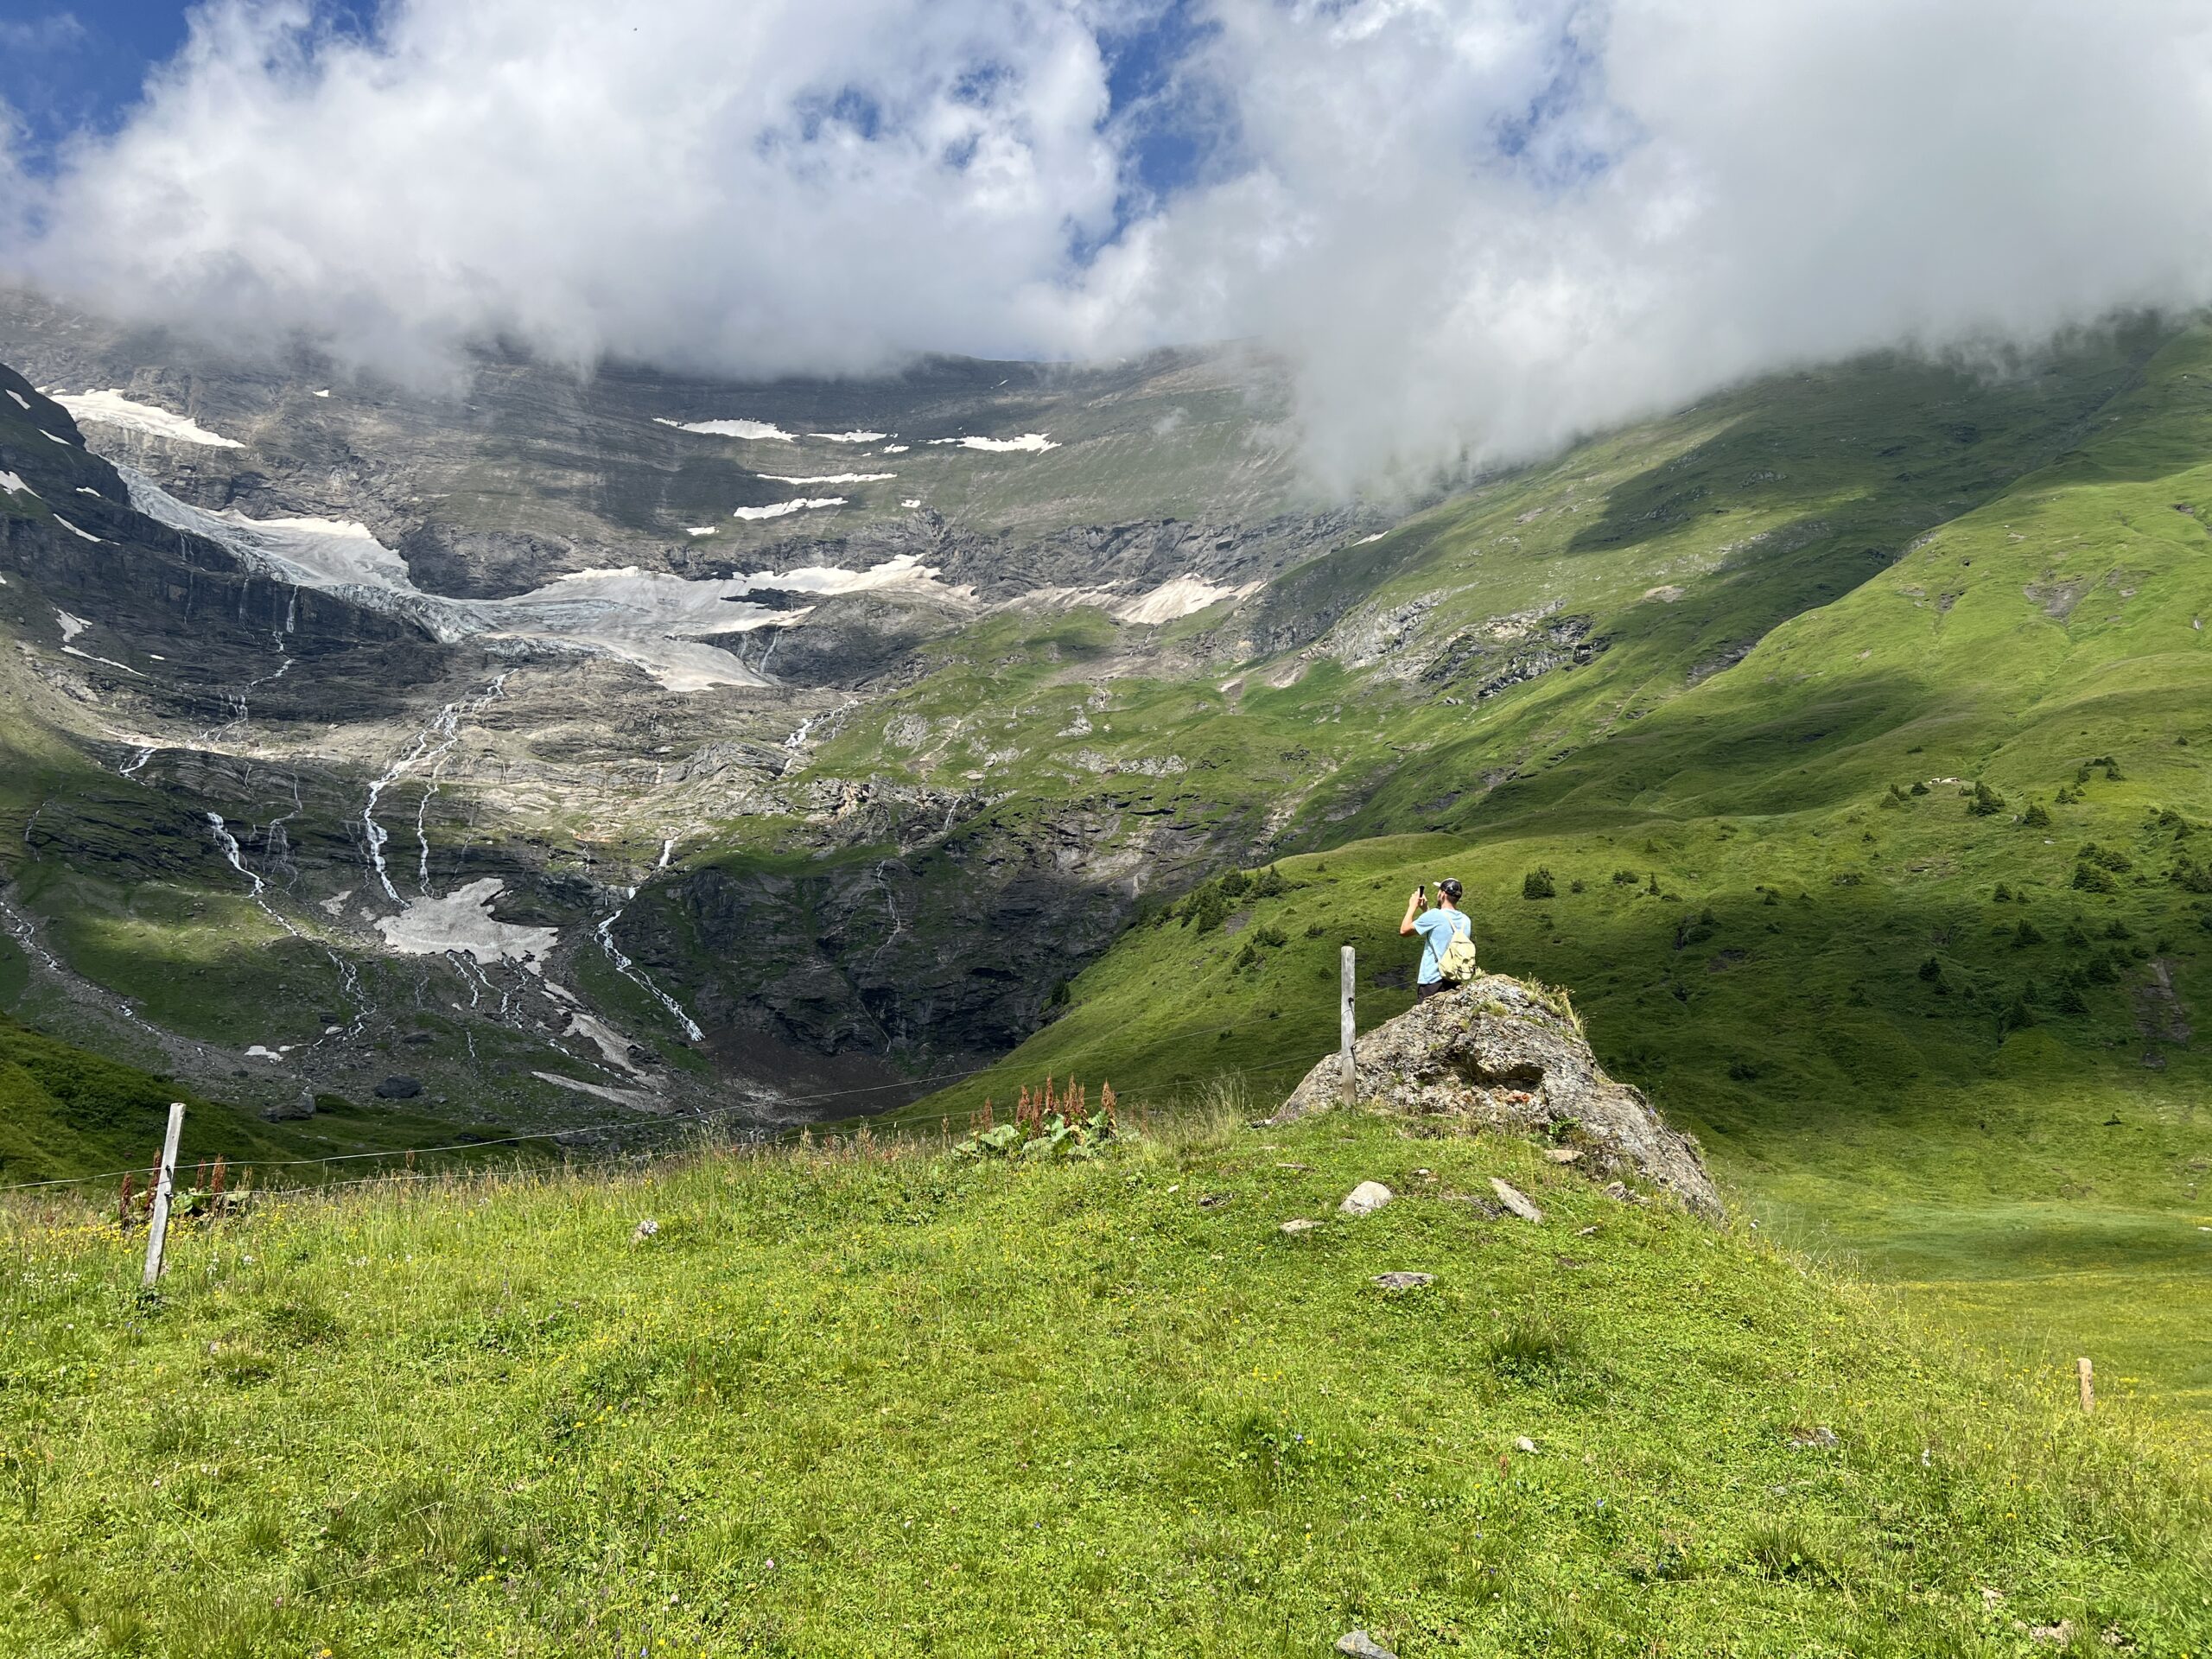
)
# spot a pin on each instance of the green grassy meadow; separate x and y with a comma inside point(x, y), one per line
point(1837, 745)
point(1771, 898)
point(880, 1399)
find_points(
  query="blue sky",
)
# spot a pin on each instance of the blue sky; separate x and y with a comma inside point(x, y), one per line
point(64, 66)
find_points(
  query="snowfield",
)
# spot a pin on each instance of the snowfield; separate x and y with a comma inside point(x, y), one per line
point(462, 920)
point(113, 408)
point(1032, 443)
point(782, 509)
point(763, 430)
point(653, 620)
point(1183, 596)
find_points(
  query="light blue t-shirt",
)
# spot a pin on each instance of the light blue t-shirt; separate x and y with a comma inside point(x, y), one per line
point(1437, 929)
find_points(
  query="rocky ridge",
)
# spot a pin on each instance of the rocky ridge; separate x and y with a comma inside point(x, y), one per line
point(1499, 1055)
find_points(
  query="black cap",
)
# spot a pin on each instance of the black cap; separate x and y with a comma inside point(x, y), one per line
point(1450, 888)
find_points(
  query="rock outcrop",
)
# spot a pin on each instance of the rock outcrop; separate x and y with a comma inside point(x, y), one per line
point(1496, 1053)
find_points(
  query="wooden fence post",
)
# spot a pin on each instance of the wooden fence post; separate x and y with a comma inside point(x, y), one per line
point(164, 1181)
point(1346, 1025)
point(2088, 1373)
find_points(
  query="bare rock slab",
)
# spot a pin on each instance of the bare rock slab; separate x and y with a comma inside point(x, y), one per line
point(1515, 1200)
point(1499, 1055)
point(1365, 1199)
point(1358, 1644)
point(1404, 1281)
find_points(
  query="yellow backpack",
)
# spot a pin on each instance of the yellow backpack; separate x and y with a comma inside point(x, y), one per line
point(1457, 965)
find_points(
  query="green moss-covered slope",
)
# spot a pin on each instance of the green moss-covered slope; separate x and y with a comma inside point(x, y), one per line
point(854, 1403)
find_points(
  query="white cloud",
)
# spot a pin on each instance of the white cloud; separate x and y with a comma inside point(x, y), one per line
point(784, 185)
point(1476, 227)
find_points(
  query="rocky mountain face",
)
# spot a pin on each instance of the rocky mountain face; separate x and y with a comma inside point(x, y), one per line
point(468, 737)
point(575, 749)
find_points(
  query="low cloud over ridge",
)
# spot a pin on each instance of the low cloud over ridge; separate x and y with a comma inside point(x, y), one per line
point(1477, 229)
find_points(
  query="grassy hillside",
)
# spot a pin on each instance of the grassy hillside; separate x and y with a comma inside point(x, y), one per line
point(66, 1111)
point(859, 1402)
point(1955, 1045)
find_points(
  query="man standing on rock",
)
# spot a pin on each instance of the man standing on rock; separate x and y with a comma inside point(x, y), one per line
point(1439, 930)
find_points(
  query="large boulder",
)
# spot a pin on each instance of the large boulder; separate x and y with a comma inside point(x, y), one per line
point(1495, 1053)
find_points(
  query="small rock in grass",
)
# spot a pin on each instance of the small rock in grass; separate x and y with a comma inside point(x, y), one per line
point(1585, 1232)
point(1365, 1199)
point(1524, 1444)
point(1213, 1200)
point(398, 1088)
point(1360, 1645)
point(1515, 1200)
point(1300, 1168)
point(1817, 1438)
point(1301, 1225)
point(2056, 1636)
point(1563, 1155)
point(1404, 1281)
point(1620, 1194)
point(645, 1229)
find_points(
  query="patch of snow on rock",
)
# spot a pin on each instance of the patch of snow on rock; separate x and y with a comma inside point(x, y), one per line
point(105, 662)
point(637, 1100)
point(113, 408)
point(760, 430)
point(651, 620)
point(896, 448)
point(831, 478)
point(71, 625)
point(698, 530)
point(20, 401)
point(779, 509)
point(462, 921)
point(324, 392)
point(849, 437)
point(1183, 596)
point(610, 1042)
point(13, 485)
point(1033, 443)
point(822, 579)
point(912, 501)
point(81, 535)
